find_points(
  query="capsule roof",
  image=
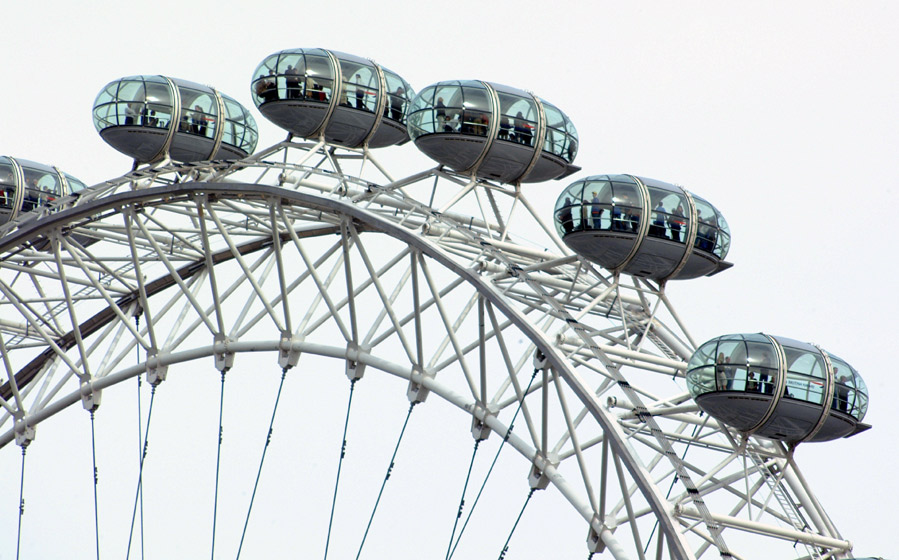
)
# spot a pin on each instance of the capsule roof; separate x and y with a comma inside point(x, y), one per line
point(350, 100)
point(493, 131)
point(643, 227)
point(25, 185)
point(778, 388)
point(149, 117)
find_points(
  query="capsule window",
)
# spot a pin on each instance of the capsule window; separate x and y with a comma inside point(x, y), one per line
point(360, 86)
point(319, 78)
point(7, 186)
point(518, 119)
point(667, 219)
point(568, 209)
point(805, 375)
point(398, 93)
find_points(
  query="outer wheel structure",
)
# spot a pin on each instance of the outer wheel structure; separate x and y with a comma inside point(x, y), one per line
point(328, 360)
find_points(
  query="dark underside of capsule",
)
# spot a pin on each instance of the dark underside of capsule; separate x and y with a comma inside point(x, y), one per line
point(347, 126)
point(505, 162)
point(791, 421)
point(657, 258)
point(139, 142)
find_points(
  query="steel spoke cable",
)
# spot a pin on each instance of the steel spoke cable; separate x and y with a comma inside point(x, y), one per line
point(493, 464)
point(474, 452)
point(512, 532)
point(21, 502)
point(268, 440)
point(218, 462)
point(96, 509)
point(386, 478)
point(140, 475)
point(140, 438)
point(346, 424)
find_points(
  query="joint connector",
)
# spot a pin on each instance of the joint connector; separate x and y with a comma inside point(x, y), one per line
point(354, 368)
point(537, 478)
point(155, 370)
point(288, 356)
point(90, 398)
point(540, 360)
point(224, 358)
point(417, 392)
point(24, 434)
point(479, 428)
point(595, 543)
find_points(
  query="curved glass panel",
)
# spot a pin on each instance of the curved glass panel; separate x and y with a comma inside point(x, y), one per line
point(667, 219)
point(199, 111)
point(561, 137)
point(451, 107)
point(42, 185)
point(701, 374)
point(294, 74)
point(7, 185)
point(850, 395)
point(398, 95)
point(713, 233)
point(134, 101)
point(240, 126)
point(74, 184)
point(360, 85)
point(568, 209)
point(518, 119)
point(805, 375)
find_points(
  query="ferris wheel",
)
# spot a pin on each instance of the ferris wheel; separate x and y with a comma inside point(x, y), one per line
point(294, 350)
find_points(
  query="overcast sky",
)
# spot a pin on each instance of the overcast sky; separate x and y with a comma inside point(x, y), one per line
point(782, 114)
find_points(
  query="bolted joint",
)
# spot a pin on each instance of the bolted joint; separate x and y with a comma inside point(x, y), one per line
point(288, 355)
point(540, 360)
point(594, 541)
point(354, 368)
point(537, 478)
point(156, 371)
point(479, 428)
point(90, 398)
point(417, 392)
point(24, 434)
point(224, 358)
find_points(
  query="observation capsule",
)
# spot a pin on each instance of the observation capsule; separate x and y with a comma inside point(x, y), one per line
point(643, 227)
point(149, 117)
point(493, 131)
point(26, 185)
point(351, 100)
point(777, 388)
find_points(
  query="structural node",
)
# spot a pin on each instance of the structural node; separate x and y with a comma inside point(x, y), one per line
point(643, 227)
point(777, 388)
point(26, 185)
point(151, 117)
point(349, 100)
point(493, 132)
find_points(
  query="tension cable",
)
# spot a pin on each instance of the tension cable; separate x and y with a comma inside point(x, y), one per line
point(268, 440)
point(386, 478)
point(346, 424)
point(140, 475)
point(493, 464)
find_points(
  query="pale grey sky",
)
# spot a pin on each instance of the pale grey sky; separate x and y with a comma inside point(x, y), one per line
point(782, 114)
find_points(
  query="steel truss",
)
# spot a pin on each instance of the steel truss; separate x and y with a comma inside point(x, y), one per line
point(456, 286)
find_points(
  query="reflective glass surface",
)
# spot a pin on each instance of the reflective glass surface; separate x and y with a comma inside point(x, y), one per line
point(7, 185)
point(240, 126)
point(713, 234)
point(305, 74)
point(748, 363)
point(604, 202)
point(399, 94)
point(561, 136)
point(134, 101)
